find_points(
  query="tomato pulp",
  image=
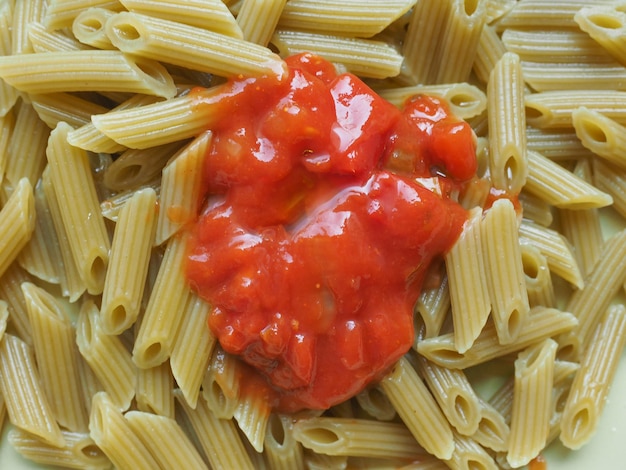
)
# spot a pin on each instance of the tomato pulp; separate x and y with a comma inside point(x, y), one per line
point(319, 225)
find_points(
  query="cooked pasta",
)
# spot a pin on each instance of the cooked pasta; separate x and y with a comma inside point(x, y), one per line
point(112, 119)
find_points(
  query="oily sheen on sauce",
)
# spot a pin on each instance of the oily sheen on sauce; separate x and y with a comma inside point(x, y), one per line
point(319, 226)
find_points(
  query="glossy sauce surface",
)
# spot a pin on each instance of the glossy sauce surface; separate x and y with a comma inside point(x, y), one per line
point(319, 226)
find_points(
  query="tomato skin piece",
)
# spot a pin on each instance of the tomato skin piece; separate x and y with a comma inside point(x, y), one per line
point(316, 234)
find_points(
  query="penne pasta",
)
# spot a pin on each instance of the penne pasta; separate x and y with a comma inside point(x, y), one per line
point(153, 390)
point(593, 380)
point(542, 323)
point(107, 357)
point(108, 71)
point(561, 188)
point(112, 433)
point(283, 451)
point(20, 384)
point(505, 281)
point(208, 14)
point(181, 187)
point(128, 267)
point(469, 296)
point(165, 440)
point(508, 162)
point(71, 177)
point(534, 373)
point(162, 316)
point(365, 57)
point(428, 425)
point(89, 27)
point(17, 222)
point(600, 134)
point(605, 25)
point(57, 357)
point(188, 46)
point(258, 19)
point(353, 437)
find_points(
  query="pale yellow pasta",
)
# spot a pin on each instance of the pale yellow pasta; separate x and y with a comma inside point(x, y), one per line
point(539, 13)
point(114, 435)
point(600, 134)
point(112, 205)
point(71, 177)
point(20, 384)
point(159, 123)
point(583, 228)
point(88, 137)
point(41, 256)
point(209, 14)
point(612, 180)
point(433, 306)
point(71, 282)
point(605, 25)
point(8, 94)
point(17, 222)
point(364, 57)
point(469, 296)
point(61, 13)
point(258, 19)
point(126, 274)
point(454, 394)
point(79, 450)
point(165, 440)
point(283, 452)
point(541, 76)
point(560, 187)
point(403, 386)
point(556, 144)
point(375, 403)
point(542, 323)
point(532, 400)
point(252, 414)
point(553, 109)
point(23, 14)
point(493, 430)
point(44, 40)
point(505, 281)
point(495, 9)
point(218, 437)
point(556, 249)
point(190, 47)
point(469, 454)
point(107, 357)
point(590, 303)
point(465, 100)
point(154, 390)
point(89, 27)
point(535, 209)
point(459, 41)
point(57, 355)
point(192, 349)
point(29, 137)
point(11, 293)
point(550, 46)
point(489, 51)
point(7, 123)
point(220, 385)
point(537, 277)
point(421, 43)
point(593, 380)
point(53, 108)
point(508, 163)
point(356, 437)
point(162, 316)
point(181, 187)
point(349, 18)
point(49, 72)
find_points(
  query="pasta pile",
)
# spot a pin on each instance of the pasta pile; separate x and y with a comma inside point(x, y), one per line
point(106, 359)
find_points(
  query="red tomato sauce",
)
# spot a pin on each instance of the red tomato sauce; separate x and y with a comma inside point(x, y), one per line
point(318, 226)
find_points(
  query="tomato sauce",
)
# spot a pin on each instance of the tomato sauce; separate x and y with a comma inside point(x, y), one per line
point(319, 225)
